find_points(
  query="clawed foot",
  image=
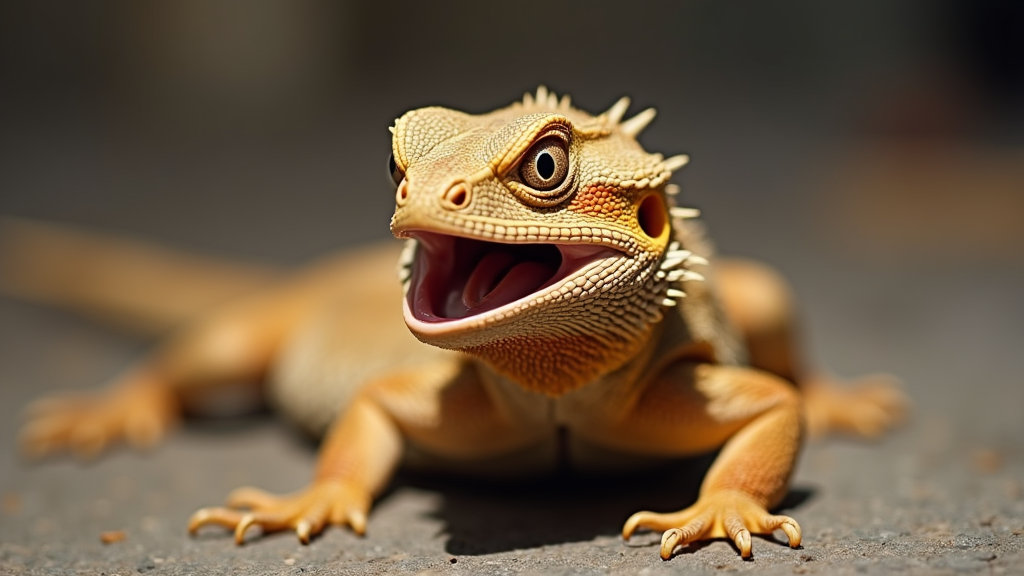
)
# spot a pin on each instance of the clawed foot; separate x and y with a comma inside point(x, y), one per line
point(307, 512)
point(86, 423)
point(732, 515)
point(866, 408)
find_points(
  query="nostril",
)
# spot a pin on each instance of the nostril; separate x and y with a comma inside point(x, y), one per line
point(402, 194)
point(457, 196)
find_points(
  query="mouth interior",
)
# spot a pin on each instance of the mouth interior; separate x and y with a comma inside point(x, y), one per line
point(455, 277)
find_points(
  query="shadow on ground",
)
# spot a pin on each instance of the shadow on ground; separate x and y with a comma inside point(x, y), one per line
point(486, 517)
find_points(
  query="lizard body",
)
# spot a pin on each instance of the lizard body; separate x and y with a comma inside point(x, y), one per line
point(560, 291)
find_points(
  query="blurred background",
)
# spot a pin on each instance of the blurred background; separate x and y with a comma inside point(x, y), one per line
point(872, 150)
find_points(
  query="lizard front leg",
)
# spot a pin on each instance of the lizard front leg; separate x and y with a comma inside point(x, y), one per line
point(441, 407)
point(753, 416)
point(356, 461)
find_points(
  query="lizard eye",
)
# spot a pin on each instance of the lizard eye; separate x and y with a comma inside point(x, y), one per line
point(545, 165)
point(396, 173)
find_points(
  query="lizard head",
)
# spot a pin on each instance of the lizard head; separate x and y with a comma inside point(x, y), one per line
point(539, 236)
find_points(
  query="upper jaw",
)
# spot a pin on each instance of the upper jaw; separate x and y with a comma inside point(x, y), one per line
point(460, 283)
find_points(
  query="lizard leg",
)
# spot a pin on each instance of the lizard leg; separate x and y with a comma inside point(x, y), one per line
point(138, 408)
point(229, 349)
point(754, 416)
point(356, 461)
point(757, 299)
point(441, 407)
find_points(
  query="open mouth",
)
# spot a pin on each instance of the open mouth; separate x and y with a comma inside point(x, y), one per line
point(455, 278)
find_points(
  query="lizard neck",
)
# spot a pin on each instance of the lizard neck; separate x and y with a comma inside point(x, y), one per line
point(556, 365)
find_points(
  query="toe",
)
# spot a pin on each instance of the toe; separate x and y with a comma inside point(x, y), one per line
point(632, 524)
point(742, 540)
point(143, 432)
point(669, 540)
point(787, 525)
point(357, 520)
point(243, 525)
point(692, 531)
point(220, 516)
point(739, 534)
point(655, 521)
point(254, 498)
point(42, 436)
point(87, 440)
point(312, 521)
point(304, 530)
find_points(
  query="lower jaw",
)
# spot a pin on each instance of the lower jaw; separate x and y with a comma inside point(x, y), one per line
point(523, 350)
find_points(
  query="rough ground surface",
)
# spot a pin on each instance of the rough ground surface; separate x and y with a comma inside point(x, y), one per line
point(927, 500)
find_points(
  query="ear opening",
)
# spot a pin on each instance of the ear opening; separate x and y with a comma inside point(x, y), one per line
point(652, 216)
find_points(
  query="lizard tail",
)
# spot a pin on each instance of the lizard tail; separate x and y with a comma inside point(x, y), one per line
point(131, 284)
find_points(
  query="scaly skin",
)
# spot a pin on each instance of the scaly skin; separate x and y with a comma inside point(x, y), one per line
point(549, 270)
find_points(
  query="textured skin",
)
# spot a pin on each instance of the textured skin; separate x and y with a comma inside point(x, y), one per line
point(624, 349)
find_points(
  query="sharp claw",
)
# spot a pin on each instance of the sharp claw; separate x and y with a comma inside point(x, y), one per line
point(669, 540)
point(303, 529)
point(243, 525)
point(357, 520)
point(199, 518)
point(793, 533)
point(742, 540)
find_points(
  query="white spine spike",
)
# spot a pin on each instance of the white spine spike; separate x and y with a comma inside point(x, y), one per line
point(698, 260)
point(671, 263)
point(673, 246)
point(672, 189)
point(676, 162)
point(683, 254)
point(673, 293)
point(391, 129)
point(618, 110)
point(542, 94)
point(674, 275)
point(660, 275)
point(691, 275)
point(565, 103)
point(527, 99)
point(684, 213)
point(668, 302)
point(636, 124)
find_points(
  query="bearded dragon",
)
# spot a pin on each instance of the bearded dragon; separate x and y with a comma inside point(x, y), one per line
point(552, 303)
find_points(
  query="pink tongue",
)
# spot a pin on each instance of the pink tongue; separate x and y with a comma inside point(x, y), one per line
point(485, 277)
point(520, 280)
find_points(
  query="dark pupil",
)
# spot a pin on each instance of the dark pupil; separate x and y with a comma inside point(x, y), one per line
point(545, 165)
